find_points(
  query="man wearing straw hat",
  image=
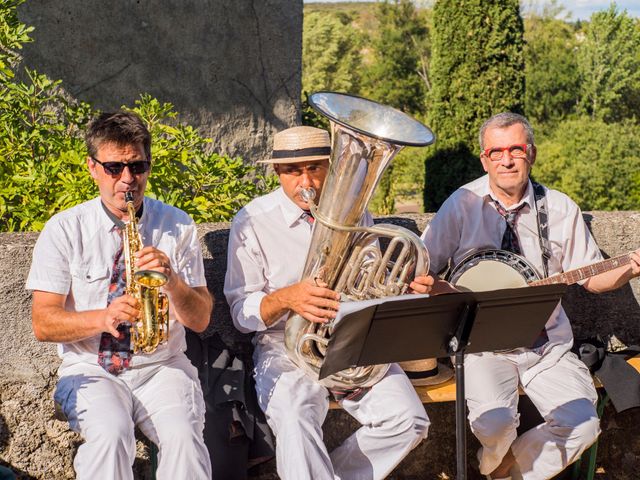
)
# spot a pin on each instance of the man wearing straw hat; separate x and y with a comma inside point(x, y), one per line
point(268, 245)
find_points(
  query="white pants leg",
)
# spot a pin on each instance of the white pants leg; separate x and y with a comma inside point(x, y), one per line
point(295, 407)
point(393, 421)
point(393, 418)
point(566, 398)
point(99, 407)
point(564, 395)
point(165, 401)
point(169, 409)
point(491, 390)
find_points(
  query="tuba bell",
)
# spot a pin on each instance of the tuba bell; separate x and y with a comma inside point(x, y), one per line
point(343, 255)
point(152, 328)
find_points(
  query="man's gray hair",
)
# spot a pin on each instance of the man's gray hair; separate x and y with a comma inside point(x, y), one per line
point(504, 120)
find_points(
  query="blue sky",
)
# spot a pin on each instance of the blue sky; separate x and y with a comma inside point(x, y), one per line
point(579, 9)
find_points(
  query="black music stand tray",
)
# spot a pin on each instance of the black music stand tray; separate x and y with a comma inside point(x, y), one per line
point(415, 327)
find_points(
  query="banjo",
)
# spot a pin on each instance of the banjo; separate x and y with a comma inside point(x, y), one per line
point(491, 269)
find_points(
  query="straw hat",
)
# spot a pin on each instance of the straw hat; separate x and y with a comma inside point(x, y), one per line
point(427, 372)
point(300, 144)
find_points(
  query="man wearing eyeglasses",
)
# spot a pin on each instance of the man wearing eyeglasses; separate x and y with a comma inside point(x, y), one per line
point(506, 210)
point(79, 301)
point(268, 244)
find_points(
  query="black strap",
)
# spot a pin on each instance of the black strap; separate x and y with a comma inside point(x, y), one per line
point(620, 380)
point(302, 152)
point(543, 225)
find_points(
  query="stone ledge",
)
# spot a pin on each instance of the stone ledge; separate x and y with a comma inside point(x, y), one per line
point(36, 446)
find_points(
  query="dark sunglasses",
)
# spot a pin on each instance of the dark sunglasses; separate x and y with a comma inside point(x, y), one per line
point(116, 168)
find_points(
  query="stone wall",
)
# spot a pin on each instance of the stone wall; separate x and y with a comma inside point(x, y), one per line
point(37, 446)
point(231, 67)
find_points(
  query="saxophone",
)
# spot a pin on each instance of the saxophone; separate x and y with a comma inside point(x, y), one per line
point(365, 138)
point(152, 327)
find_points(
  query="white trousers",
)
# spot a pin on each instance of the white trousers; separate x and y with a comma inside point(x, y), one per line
point(163, 400)
point(564, 395)
point(392, 416)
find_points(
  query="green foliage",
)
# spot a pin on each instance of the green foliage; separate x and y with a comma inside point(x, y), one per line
point(208, 186)
point(477, 70)
point(13, 34)
point(595, 163)
point(43, 156)
point(551, 66)
point(398, 76)
point(331, 58)
point(609, 66)
point(398, 73)
point(41, 145)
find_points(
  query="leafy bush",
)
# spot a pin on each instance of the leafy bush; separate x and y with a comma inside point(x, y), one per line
point(208, 186)
point(593, 162)
point(477, 70)
point(42, 152)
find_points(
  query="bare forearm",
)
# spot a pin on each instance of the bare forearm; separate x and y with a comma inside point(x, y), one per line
point(273, 307)
point(192, 305)
point(610, 280)
point(55, 324)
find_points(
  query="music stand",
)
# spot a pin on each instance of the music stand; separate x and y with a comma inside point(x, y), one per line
point(415, 327)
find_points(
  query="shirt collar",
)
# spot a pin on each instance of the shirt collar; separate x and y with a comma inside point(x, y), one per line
point(110, 221)
point(528, 197)
point(291, 212)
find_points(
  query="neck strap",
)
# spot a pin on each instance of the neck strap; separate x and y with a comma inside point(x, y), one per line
point(543, 224)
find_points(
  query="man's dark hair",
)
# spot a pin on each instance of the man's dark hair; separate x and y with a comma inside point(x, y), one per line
point(121, 128)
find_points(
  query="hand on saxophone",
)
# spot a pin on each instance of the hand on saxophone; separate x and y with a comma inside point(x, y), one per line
point(123, 309)
point(150, 258)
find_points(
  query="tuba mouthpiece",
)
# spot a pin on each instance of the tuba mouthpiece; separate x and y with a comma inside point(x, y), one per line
point(308, 194)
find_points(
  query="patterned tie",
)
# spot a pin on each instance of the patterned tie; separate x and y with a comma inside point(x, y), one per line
point(114, 354)
point(510, 239)
point(307, 216)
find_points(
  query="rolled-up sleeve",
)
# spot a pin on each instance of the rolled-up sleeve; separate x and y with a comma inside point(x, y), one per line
point(245, 281)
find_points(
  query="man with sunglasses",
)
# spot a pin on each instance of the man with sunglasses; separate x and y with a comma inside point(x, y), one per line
point(268, 244)
point(79, 301)
point(506, 210)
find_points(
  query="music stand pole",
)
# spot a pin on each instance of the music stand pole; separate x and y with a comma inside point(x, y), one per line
point(457, 345)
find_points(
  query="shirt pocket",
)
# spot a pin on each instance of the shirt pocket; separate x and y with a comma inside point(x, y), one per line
point(89, 285)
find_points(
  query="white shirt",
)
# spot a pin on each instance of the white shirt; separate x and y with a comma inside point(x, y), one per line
point(74, 257)
point(268, 244)
point(468, 220)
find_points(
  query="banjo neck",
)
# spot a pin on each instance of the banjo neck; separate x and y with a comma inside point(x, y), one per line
point(573, 276)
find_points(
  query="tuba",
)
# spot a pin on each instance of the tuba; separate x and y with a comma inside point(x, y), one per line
point(152, 328)
point(343, 255)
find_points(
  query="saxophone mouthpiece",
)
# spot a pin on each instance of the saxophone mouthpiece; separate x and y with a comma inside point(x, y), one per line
point(308, 194)
point(128, 197)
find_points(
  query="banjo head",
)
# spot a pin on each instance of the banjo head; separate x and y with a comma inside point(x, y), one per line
point(487, 270)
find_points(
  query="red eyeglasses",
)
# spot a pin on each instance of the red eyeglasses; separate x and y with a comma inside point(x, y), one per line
point(518, 150)
point(116, 168)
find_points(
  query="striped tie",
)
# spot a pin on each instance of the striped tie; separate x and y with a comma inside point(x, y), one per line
point(510, 238)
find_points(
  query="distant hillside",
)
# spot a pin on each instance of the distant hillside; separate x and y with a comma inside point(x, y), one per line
point(363, 13)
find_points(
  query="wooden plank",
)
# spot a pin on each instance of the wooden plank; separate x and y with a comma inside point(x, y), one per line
point(446, 392)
